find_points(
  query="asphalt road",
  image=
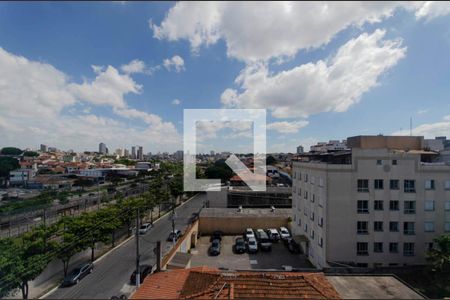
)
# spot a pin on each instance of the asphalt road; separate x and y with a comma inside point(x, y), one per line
point(111, 274)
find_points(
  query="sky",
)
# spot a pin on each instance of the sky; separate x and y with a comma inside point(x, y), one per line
point(75, 74)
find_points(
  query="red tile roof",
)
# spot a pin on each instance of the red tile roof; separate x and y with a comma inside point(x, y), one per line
point(207, 283)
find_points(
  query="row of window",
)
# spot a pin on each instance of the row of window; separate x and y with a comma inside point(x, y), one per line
point(362, 227)
point(409, 206)
point(312, 179)
point(362, 248)
point(409, 185)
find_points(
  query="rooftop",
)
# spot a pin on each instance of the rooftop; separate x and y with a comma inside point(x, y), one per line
point(210, 283)
point(214, 212)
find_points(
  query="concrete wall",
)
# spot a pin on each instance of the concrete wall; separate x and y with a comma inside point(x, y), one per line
point(184, 244)
point(237, 225)
point(389, 142)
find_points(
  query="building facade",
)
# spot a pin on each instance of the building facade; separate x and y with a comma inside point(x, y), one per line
point(102, 148)
point(381, 205)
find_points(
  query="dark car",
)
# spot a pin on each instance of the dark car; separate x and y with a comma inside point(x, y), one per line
point(144, 270)
point(175, 234)
point(217, 235)
point(292, 245)
point(77, 274)
point(239, 245)
point(214, 249)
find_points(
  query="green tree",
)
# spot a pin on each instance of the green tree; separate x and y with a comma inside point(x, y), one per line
point(176, 187)
point(8, 164)
point(30, 154)
point(11, 151)
point(270, 160)
point(439, 256)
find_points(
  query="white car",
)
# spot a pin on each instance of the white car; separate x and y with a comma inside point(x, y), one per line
point(273, 234)
point(252, 245)
point(249, 234)
point(144, 228)
point(284, 232)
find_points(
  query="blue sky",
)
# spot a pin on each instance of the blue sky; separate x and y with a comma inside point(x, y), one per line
point(323, 71)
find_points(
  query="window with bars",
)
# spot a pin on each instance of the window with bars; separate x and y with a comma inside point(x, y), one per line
point(393, 205)
point(378, 184)
point(408, 228)
point(363, 185)
point(393, 184)
point(362, 248)
point(363, 206)
point(409, 207)
point(408, 249)
point(362, 227)
point(409, 186)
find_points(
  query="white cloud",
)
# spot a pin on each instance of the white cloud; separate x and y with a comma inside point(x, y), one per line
point(208, 129)
point(331, 85)
point(422, 111)
point(287, 127)
point(134, 66)
point(430, 130)
point(429, 10)
point(176, 102)
point(35, 99)
point(260, 31)
point(175, 63)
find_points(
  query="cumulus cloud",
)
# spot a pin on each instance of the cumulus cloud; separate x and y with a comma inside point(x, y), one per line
point(176, 102)
point(175, 63)
point(429, 130)
point(134, 66)
point(260, 31)
point(36, 98)
point(429, 10)
point(208, 129)
point(287, 127)
point(334, 84)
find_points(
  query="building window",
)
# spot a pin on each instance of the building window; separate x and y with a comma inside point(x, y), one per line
point(394, 162)
point(363, 206)
point(312, 234)
point(447, 226)
point(409, 207)
point(393, 184)
point(429, 226)
point(379, 162)
point(320, 242)
point(393, 205)
point(378, 226)
point(409, 186)
point(408, 249)
point(429, 205)
point(408, 228)
point(306, 195)
point(362, 227)
point(378, 184)
point(378, 205)
point(429, 184)
point(393, 247)
point(320, 181)
point(447, 185)
point(306, 227)
point(306, 177)
point(429, 246)
point(447, 205)
point(320, 222)
point(393, 226)
point(312, 216)
point(313, 180)
point(363, 185)
point(299, 222)
point(299, 175)
point(362, 265)
point(313, 198)
point(378, 247)
point(362, 249)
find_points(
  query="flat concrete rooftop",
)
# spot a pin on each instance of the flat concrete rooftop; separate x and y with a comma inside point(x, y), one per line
point(219, 212)
point(371, 287)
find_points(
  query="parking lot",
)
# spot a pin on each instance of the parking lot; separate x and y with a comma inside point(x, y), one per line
point(275, 259)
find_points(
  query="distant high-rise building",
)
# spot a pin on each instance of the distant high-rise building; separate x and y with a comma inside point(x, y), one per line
point(300, 149)
point(212, 153)
point(102, 148)
point(140, 153)
point(119, 152)
point(133, 152)
point(179, 155)
point(43, 148)
point(52, 149)
point(126, 152)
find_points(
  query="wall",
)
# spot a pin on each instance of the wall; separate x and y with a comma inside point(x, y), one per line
point(184, 244)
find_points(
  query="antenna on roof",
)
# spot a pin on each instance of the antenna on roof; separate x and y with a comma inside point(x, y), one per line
point(410, 126)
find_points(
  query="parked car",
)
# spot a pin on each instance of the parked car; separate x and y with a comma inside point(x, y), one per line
point(217, 235)
point(252, 245)
point(292, 245)
point(263, 240)
point(144, 270)
point(176, 234)
point(77, 274)
point(284, 233)
point(273, 234)
point(249, 234)
point(214, 249)
point(144, 228)
point(239, 245)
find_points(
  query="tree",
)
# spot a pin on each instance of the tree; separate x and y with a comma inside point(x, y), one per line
point(30, 154)
point(270, 160)
point(7, 164)
point(11, 151)
point(176, 187)
point(439, 256)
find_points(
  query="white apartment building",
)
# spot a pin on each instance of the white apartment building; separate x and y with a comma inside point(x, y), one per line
point(333, 145)
point(379, 204)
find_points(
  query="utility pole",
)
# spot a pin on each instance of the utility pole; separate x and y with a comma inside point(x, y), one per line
point(173, 225)
point(138, 273)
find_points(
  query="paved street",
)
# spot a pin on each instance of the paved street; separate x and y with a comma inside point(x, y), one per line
point(111, 274)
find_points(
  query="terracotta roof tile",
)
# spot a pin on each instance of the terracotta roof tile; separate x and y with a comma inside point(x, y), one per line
point(207, 283)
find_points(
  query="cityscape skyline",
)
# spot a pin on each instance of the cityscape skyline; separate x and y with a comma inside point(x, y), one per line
point(136, 94)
